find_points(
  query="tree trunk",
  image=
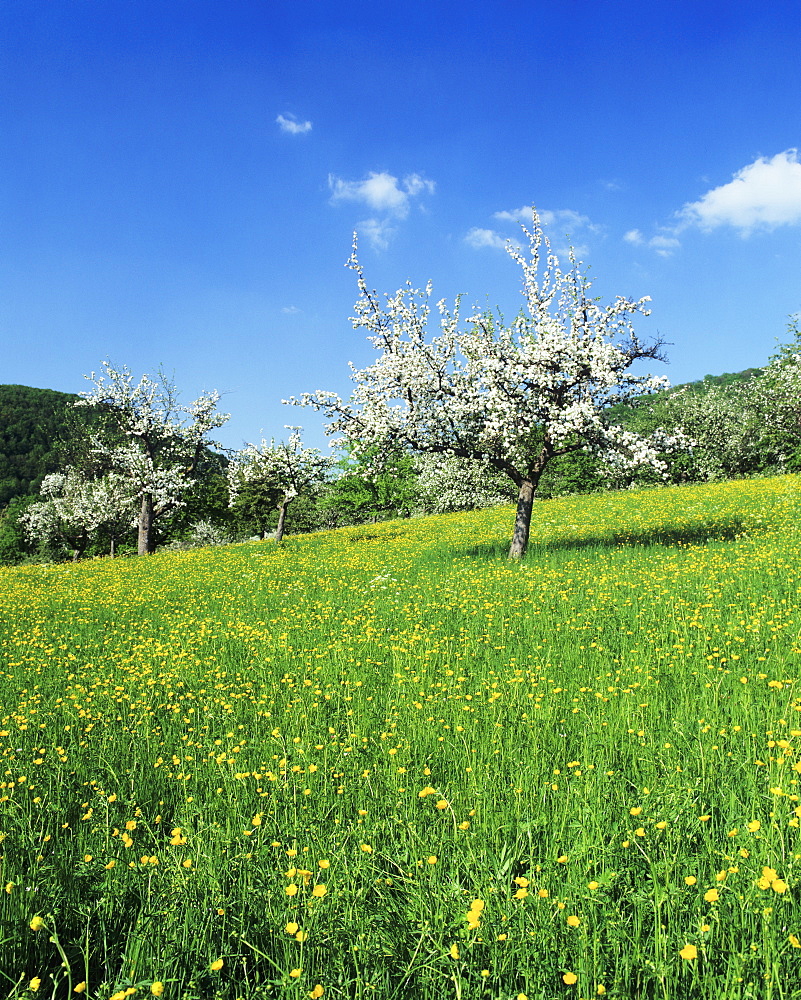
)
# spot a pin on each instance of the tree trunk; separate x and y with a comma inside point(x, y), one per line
point(147, 536)
point(279, 531)
point(525, 505)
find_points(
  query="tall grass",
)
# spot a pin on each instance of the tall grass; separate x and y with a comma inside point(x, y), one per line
point(384, 762)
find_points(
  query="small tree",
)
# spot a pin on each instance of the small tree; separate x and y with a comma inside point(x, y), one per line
point(73, 510)
point(163, 441)
point(513, 397)
point(276, 473)
point(780, 391)
point(360, 493)
point(446, 483)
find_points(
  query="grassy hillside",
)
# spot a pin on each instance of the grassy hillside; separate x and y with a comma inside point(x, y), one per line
point(384, 762)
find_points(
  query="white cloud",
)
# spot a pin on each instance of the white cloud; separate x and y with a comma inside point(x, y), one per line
point(565, 219)
point(382, 192)
point(290, 124)
point(388, 196)
point(378, 231)
point(664, 245)
point(763, 195)
point(478, 238)
point(291, 310)
point(522, 214)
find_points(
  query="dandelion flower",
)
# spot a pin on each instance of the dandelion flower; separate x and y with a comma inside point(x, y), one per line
point(573, 920)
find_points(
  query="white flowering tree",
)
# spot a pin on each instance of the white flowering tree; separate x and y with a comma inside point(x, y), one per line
point(780, 391)
point(446, 483)
point(162, 440)
point(73, 509)
point(276, 473)
point(513, 397)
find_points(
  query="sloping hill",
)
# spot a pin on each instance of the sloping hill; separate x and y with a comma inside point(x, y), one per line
point(33, 425)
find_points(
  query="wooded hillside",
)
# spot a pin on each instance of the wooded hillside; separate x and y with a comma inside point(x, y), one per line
point(33, 429)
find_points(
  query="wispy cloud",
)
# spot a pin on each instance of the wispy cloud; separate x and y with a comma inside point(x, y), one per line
point(291, 310)
point(565, 218)
point(386, 195)
point(378, 231)
point(663, 243)
point(289, 123)
point(382, 192)
point(478, 238)
point(763, 195)
point(565, 221)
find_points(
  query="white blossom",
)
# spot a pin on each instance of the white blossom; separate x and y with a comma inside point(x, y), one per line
point(512, 396)
point(162, 439)
point(288, 467)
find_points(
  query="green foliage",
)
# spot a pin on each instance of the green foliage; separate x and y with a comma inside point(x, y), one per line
point(358, 494)
point(34, 428)
point(14, 546)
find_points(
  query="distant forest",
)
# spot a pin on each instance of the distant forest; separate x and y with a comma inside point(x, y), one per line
point(35, 429)
point(38, 429)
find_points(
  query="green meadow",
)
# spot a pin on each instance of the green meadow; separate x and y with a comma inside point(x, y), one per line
point(384, 762)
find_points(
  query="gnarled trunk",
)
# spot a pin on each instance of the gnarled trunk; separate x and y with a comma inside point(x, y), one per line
point(279, 531)
point(525, 505)
point(147, 535)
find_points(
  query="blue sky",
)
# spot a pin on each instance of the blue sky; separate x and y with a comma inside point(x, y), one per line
point(179, 181)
